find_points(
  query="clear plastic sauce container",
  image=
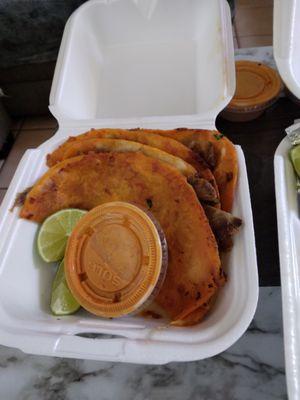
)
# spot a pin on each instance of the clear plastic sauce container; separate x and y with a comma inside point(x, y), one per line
point(116, 259)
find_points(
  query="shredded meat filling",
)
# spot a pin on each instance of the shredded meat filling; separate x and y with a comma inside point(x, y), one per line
point(224, 226)
point(205, 150)
point(205, 191)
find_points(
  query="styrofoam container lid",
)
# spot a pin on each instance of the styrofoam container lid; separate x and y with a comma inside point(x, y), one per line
point(286, 42)
point(117, 61)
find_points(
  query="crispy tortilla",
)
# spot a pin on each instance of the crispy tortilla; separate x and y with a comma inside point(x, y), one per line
point(223, 159)
point(194, 272)
point(166, 144)
point(97, 145)
point(204, 190)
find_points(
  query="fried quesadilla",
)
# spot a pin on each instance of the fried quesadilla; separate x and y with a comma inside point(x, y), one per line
point(204, 189)
point(165, 144)
point(194, 271)
point(218, 151)
point(127, 146)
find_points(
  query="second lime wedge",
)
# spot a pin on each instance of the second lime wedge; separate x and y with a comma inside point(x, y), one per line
point(295, 157)
point(62, 300)
point(54, 233)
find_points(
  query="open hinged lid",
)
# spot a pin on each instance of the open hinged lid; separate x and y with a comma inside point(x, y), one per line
point(286, 42)
point(149, 62)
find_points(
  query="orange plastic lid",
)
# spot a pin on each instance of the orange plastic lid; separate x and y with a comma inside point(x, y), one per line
point(256, 86)
point(115, 259)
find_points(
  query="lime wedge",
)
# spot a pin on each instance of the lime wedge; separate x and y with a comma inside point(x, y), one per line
point(54, 232)
point(62, 300)
point(295, 157)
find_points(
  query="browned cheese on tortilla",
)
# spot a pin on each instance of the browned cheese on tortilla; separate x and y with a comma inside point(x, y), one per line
point(166, 144)
point(217, 150)
point(99, 145)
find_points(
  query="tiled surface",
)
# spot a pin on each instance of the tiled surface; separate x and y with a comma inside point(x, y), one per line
point(253, 23)
point(254, 3)
point(254, 41)
point(47, 122)
point(2, 193)
point(26, 139)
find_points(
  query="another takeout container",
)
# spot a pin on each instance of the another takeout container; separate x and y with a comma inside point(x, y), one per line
point(289, 254)
point(286, 43)
point(158, 64)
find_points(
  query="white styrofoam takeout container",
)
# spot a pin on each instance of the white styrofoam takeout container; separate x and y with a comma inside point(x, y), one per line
point(127, 64)
point(289, 254)
point(286, 42)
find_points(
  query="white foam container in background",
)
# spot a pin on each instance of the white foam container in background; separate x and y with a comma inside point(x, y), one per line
point(286, 42)
point(289, 252)
point(158, 64)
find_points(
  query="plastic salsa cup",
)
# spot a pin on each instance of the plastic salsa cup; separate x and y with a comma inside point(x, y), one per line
point(258, 86)
point(116, 259)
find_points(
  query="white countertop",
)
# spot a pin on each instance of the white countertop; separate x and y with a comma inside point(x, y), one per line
point(251, 369)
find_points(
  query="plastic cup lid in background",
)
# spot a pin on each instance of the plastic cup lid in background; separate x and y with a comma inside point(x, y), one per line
point(257, 85)
point(115, 259)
